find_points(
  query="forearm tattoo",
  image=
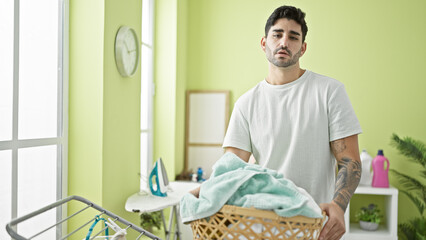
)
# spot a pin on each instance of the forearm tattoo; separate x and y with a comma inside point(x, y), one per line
point(348, 176)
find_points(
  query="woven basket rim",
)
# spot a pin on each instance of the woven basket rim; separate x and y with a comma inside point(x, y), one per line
point(269, 214)
point(239, 222)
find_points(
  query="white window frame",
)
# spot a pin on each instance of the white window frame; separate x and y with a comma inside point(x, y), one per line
point(145, 166)
point(61, 141)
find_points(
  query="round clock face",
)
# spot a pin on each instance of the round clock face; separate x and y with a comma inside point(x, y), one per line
point(126, 51)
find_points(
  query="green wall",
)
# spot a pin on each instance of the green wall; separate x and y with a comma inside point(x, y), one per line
point(376, 48)
point(85, 147)
point(121, 125)
point(165, 53)
point(181, 77)
point(170, 76)
point(86, 99)
point(104, 126)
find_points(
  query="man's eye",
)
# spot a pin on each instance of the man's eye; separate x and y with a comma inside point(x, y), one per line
point(293, 38)
point(276, 35)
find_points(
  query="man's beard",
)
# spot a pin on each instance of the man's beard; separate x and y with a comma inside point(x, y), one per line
point(283, 63)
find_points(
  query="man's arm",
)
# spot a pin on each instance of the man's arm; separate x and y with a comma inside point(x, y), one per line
point(349, 169)
point(244, 155)
point(349, 173)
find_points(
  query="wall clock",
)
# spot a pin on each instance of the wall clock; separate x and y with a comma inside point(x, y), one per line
point(126, 51)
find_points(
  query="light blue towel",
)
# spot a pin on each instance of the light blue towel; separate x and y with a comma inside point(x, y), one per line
point(235, 182)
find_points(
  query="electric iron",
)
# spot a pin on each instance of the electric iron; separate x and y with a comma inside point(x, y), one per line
point(161, 179)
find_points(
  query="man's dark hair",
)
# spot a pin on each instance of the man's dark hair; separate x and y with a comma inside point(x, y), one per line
point(291, 13)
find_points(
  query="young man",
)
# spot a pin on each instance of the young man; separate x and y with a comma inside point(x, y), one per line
point(299, 123)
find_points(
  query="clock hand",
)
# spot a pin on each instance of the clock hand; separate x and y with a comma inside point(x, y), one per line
point(127, 47)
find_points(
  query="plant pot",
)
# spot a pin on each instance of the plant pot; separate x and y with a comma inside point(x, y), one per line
point(369, 226)
point(149, 229)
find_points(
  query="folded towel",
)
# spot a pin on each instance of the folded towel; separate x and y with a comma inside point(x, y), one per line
point(235, 182)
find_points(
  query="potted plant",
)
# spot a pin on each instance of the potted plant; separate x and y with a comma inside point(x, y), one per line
point(369, 217)
point(151, 220)
point(412, 186)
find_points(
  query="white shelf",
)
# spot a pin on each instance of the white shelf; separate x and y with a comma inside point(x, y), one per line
point(385, 232)
point(376, 191)
point(357, 233)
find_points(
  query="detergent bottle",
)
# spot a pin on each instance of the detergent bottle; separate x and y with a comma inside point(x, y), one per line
point(380, 174)
point(200, 175)
point(366, 175)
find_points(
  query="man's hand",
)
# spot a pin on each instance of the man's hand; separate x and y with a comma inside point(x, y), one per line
point(195, 192)
point(335, 226)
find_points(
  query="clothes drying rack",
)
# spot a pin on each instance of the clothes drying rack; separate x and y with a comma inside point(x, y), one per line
point(88, 214)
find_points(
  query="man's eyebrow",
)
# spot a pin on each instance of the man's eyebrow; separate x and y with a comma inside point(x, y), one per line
point(282, 30)
point(294, 32)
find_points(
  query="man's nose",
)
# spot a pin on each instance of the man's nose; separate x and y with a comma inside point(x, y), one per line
point(284, 41)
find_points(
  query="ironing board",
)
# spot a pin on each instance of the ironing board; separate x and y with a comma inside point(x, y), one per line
point(143, 203)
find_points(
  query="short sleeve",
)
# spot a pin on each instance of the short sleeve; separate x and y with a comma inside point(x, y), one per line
point(238, 134)
point(342, 121)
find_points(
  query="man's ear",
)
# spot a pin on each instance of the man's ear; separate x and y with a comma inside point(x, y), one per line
point(304, 46)
point(263, 43)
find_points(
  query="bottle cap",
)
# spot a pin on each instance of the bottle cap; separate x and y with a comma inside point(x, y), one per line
point(380, 152)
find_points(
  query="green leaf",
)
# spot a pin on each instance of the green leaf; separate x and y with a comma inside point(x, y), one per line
point(413, 149)
point(414, 229)
point(423, 173)
point(419, 225)
point(408, 182)
point(420, 237)
point(369, 214)
point(419, 203)
point(152, 219)
point(407, 231)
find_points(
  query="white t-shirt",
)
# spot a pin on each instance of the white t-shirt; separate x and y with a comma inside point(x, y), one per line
point(289, 128)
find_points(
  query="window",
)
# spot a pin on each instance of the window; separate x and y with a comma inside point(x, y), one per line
point(33, 111)
point(147, 91)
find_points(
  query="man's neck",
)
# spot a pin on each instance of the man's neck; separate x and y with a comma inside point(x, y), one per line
point(280, 76)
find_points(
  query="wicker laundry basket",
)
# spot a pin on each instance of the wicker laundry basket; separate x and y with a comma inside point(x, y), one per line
point(233, 222)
